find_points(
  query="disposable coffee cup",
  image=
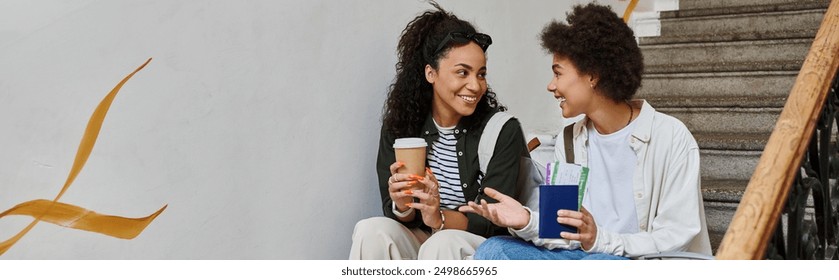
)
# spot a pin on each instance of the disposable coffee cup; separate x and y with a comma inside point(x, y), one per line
point(411, 151)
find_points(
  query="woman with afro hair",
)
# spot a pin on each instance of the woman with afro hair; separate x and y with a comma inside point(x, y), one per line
point(440, 94)
point(643, 195)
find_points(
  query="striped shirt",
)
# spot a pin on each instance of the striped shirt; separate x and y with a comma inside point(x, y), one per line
point(442, 159)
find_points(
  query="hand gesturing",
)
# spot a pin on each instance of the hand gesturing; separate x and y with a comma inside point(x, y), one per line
point(506, 213)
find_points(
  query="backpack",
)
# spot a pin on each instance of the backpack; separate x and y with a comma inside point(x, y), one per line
point(530, 172)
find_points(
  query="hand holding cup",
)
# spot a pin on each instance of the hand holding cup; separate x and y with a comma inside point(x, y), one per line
point(399, 186)
point(408, 169)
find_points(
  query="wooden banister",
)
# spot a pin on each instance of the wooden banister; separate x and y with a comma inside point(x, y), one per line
point(757, 215)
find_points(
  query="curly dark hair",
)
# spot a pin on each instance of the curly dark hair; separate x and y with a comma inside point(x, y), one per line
point(599, 43)
point(409, 97)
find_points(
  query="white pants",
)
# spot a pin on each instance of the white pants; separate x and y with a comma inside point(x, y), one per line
point(382, 238)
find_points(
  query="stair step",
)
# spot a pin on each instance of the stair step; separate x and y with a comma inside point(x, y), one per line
point(732, 141)
point(717, 101)
point(735, 89)
point(735, 4)
point(763, 55)
point(728, 164)
point(761, 26)
point(723, 190)
point(707, 8)
point(718, 216)
point(721, 198)
point(726, 120)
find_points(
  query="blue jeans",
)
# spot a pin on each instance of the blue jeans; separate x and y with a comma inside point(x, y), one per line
point(512, 248)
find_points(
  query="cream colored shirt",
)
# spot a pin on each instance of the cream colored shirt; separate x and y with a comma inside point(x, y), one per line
point(666, 188)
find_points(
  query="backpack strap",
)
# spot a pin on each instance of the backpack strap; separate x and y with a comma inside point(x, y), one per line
point(486, 146)
point(533, 144)
point(569, 143)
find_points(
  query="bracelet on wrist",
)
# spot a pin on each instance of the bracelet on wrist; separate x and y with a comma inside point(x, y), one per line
point(442, 220)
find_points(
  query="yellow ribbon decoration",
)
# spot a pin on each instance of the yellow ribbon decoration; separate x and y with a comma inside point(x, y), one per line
point(629, 9)
point(72, 216)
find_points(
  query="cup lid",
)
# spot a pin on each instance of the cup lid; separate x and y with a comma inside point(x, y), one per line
point(407, 143)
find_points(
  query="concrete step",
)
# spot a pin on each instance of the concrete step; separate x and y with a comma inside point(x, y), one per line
point(763, 55)
point(759, 84)
point(728, 164)
point(691, 9)
point(737, 6)
point(721, 200)
point(726, 120)
point(717, 101)
point(732, 89)
point(732, 141)
point(723, 190)
point(737, 27)
point(718, 216)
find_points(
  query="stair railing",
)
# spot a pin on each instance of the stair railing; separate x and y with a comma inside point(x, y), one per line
point(799, 166)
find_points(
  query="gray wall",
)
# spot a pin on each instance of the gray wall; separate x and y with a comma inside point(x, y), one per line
point(257, 121)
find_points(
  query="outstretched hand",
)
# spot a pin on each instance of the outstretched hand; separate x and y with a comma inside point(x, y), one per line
point(507, 212)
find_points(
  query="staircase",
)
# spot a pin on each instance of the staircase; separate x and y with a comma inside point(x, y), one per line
point(725, 68)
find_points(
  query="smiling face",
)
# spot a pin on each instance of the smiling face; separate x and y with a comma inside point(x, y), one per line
point(574, 91)
point(459, 83)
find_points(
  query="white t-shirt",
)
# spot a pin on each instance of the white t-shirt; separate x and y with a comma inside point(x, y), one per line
point(608, 194)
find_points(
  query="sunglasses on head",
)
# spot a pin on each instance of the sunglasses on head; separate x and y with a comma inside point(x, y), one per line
point(482, 39)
